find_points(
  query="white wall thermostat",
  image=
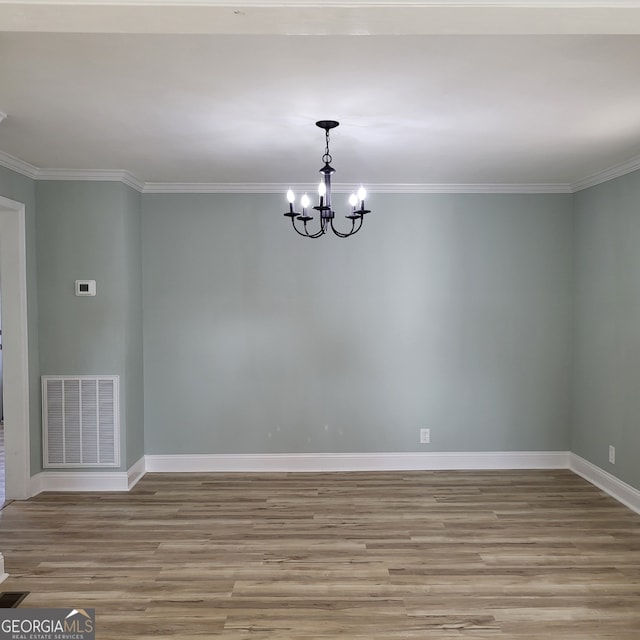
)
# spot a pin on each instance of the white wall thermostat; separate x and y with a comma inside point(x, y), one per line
point(85, 287)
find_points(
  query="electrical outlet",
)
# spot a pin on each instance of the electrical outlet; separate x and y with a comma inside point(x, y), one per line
point(425, 436)
point(612, 454)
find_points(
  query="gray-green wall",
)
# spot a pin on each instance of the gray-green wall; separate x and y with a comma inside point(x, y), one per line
point(91, 230)
point(133, 356)
point(502, 322)
point(451, 312)
point(606, 373)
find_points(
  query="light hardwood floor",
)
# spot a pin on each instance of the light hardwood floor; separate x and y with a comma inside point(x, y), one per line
point(509, 554)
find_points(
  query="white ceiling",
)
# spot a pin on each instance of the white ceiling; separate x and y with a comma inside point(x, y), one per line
point(425, 93)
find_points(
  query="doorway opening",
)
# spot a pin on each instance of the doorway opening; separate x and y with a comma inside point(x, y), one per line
point(2, 488)
point(2, 483)
point(15, 379)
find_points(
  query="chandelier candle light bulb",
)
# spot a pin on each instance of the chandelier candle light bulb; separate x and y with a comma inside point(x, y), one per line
point(322, 190)
point(327, 214)
point(291, 198)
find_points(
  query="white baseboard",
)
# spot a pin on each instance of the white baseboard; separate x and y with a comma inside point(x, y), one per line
point(87, 480)
point(79, 481)
point(327, 462)
point(616, 488)
point(3, 575)
point(297, 462)
point(135, 473)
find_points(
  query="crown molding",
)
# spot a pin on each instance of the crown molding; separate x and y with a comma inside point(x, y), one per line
point(19, 166)
point(240, 187)
point(106, 175)
point(605, 175)
point(315, 17)
point(225, 187)
point(471, 188)
point(470, 4)
point(128, 178)
point(36, 173)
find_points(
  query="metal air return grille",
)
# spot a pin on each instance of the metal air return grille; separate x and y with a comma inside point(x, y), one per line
point(80, 421)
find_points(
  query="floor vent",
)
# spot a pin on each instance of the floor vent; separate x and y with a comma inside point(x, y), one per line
point(80, 421)
point(11, 599)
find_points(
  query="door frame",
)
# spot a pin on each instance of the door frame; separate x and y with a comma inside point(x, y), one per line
point(13, 282)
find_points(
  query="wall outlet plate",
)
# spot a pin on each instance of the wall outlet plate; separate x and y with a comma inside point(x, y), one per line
point(425, 436)
point(612, 454)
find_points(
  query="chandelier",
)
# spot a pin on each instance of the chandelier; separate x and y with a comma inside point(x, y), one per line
point(327, 215)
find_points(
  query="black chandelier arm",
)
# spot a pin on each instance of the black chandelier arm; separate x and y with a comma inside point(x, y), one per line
point(353, 230)
point(306, 233)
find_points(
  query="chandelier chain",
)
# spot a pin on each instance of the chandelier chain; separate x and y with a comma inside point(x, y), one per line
point(326, 158)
